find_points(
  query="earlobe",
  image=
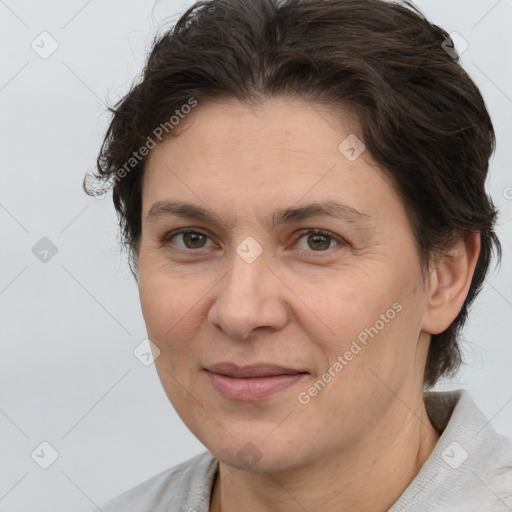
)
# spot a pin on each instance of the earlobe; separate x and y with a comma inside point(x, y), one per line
point(449, 283)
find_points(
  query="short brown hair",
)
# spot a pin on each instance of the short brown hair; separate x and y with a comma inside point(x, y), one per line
point(422, 118)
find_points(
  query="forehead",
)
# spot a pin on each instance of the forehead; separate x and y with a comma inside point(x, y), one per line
point(275, 125)
point(280, 153)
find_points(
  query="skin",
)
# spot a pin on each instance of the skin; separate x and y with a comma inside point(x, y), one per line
point(300, 304)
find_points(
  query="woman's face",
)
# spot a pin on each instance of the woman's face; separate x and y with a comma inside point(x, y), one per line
point(322, 331)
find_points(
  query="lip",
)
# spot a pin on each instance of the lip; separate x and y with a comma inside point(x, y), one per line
point(254, 370)
point(251, 383)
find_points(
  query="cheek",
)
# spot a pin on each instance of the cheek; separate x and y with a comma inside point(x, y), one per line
point(370, 319)
point(167, 305)
point(171, 322)
point(349, 303)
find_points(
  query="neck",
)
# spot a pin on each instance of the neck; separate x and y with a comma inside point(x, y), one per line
point(368, 477)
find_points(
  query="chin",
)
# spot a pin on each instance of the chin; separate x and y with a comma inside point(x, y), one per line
point(257, 454)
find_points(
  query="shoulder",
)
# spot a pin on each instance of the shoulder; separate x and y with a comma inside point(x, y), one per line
point(471, 465)
point(182, 487)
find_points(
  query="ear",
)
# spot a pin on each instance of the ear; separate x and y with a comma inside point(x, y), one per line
point(449, 284)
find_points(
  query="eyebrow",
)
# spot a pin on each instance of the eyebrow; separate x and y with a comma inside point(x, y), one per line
point(328, 208)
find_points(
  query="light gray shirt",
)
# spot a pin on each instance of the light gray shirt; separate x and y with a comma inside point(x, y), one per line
point(470, 469)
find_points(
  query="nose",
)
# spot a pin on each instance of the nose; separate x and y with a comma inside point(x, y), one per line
point(249, 297)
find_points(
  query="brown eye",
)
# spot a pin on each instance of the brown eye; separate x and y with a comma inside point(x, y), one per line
point(194, 240)
point(318, 241)
point(189, 239)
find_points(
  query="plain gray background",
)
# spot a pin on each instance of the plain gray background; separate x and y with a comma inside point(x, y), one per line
point(69, 325)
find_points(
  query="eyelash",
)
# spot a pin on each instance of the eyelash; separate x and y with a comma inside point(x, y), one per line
point(312, 231)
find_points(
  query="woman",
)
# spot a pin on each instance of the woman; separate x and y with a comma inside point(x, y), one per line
point(301, 188)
